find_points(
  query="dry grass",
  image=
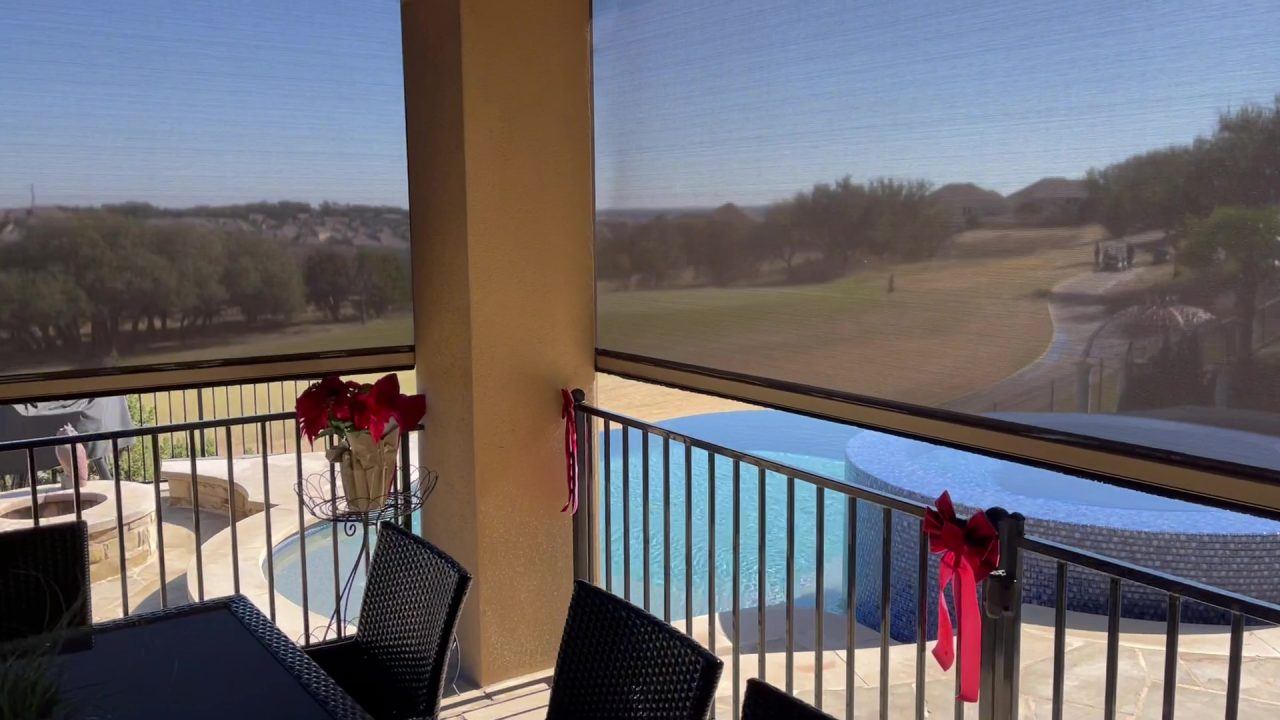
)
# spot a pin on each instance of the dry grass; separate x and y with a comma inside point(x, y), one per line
point(952, 326)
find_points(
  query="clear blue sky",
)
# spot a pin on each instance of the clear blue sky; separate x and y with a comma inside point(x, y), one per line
point(201, 101)
point(698, 101)
point(707, 101)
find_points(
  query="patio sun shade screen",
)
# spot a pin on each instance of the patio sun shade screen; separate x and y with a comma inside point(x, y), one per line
point(1064, 216)
point(187, 184)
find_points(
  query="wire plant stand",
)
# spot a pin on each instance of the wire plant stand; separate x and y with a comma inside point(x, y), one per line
point(321, 494)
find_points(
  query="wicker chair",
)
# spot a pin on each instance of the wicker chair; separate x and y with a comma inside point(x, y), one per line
point(618, 662)
point(394, 665)
point(44, 580)
point(763, 701)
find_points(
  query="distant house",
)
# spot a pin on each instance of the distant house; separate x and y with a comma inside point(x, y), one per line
point(1049, 201)
point(968, 204)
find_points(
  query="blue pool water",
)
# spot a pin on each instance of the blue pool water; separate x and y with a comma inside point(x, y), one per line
point(321, 592)
point(809, 444)
point(682, 497)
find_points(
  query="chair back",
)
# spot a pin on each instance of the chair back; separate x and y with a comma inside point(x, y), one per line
point(763, 701)
point(408, 616)
point(619, 662)
point(44, 580)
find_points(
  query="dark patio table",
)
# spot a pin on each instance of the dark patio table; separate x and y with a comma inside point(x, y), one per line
point(217, 659)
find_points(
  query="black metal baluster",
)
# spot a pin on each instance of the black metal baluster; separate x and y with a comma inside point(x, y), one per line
point(1234, 662)
point(406, 484)
point(886, 552)
point(761, 577)
point(922, 621)
point(1059, 640)
point(231, 513)
point(851, 595)
point(75, 481)
point(820, 606)
point(244, 434)
point(333, 537)
point(124, 572)
point(711, 556)
point(626, 512)
point(644, 507)
point(1172, 623)
point(302, 532)
point(173, 439)
point(791, 585)
point(35, 493)
point(736, 501)
point(195, 514)
point(1113, 649)
point(253, 393)
point(666, 528)
point(608, 510)
point(155, 487)
point(266, 502)
point(688, 539)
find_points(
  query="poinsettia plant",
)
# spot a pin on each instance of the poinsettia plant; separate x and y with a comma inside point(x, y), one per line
point(334, 407)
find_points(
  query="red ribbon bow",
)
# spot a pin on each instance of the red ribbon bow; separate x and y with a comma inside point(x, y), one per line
point(570, 450)
point(970, 552)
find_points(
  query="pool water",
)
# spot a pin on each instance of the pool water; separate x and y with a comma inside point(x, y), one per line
point(319, 549)
point(679, 491)
point(812, 445)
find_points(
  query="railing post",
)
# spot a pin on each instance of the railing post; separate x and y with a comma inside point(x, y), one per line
point(1002, 605)
point(582, 525)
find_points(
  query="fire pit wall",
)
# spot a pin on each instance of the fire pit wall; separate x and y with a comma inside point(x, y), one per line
point(98, 510)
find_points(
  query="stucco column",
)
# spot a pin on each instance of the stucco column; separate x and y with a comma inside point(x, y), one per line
point(499, 140)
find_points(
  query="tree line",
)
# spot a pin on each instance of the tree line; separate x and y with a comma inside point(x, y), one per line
point(1217, 199)
point(83, 282)
point(816, 235)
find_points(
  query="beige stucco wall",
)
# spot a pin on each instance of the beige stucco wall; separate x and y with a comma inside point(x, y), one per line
point(498, 99)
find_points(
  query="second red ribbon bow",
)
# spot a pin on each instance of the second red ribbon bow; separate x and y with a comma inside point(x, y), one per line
point(970, 552)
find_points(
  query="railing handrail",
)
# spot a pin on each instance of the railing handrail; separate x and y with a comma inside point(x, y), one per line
point(844, 487)
point(144, 431)
point(1165, 582)
point(1183, 587)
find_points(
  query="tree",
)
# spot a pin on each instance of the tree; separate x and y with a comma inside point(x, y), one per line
point(1151, 191)
point(381, 281)
point(328, 275)
point(197, 258)
point(1243, 244)
point(656, 250)
point(777, 236)
point(1240, 163)
point(261, 278)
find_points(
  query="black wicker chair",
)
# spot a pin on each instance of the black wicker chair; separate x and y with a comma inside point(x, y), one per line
point(618, 662)
point(763, 701)
point(44, 580)
point(394, 665)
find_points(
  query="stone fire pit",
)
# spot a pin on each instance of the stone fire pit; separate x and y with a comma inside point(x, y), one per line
point(98, 509)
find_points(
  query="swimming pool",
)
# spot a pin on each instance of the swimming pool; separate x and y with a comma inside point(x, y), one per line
point(319, 548)
point(1072, 508)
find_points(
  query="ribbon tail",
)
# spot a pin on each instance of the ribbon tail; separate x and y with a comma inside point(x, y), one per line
point(965, 592)
point(943, 649)
point(568, 412)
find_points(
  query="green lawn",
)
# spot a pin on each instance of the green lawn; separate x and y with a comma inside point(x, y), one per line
point(952, 326)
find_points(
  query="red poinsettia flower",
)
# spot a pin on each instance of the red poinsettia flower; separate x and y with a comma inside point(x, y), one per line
point(334, 407)
point(318, 403)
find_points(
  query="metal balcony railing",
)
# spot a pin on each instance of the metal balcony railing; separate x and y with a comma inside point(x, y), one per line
point(168, 528)
point(669, 565)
